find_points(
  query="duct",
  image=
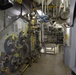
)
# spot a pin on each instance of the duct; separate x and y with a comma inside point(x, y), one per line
point(5, 4)
point(13, 14)
point(28, 4)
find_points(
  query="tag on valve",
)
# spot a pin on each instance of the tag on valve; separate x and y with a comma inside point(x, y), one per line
point(19, 1)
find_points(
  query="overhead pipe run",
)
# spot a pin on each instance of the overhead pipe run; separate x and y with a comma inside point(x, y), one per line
point(42, 6)
point(45, 6)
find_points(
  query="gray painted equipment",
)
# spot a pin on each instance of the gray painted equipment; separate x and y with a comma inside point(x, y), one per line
point(70, 51)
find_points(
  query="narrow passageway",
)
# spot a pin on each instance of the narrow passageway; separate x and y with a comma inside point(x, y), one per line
point(49, 65)
point(41, 30)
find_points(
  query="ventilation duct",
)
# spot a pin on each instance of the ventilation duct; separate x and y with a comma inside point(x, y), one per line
point(5, 4)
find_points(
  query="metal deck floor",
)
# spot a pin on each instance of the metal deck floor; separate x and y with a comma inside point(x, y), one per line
point(48, 65)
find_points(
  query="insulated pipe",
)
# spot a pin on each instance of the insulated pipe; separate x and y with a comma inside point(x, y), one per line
point(42, 6)
point(57, 9)
point(45, 6)
point(66, 4)
point(42, 23)
point(42, 32)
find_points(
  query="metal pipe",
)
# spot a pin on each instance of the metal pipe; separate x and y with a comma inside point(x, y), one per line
point(53, 9)
point(42, 23)
point(56, 8)
point(45, 6)
point(25, 68)
point(42, 6)
point(42, 32)
point(4, 18)
point(64, 5)
point(21, 10)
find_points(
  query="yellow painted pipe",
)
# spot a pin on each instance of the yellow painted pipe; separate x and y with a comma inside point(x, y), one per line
point(13, 36)
point(51, 6)
point(25, 68)
point(28, 65)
